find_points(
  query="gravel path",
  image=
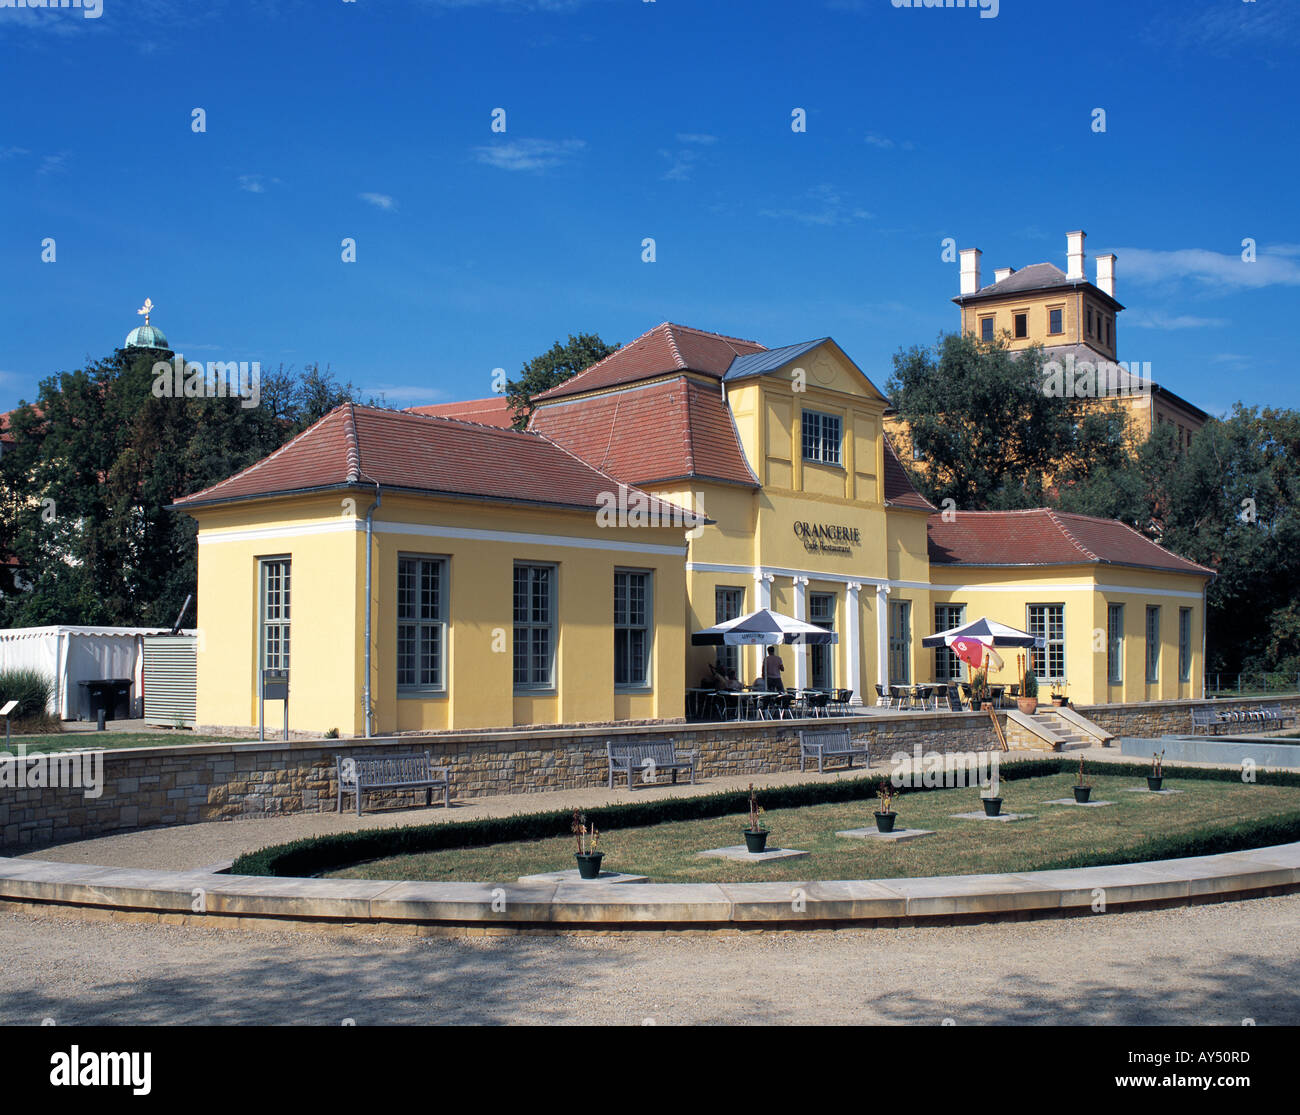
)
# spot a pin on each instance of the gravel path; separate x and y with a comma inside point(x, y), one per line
point(1212, 965)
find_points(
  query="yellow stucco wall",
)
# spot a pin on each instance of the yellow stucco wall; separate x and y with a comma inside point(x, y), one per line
point(1086, 592)
point(326, 544)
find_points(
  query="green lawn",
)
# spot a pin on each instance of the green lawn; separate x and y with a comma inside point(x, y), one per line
point(92, 741)
point(667, 852)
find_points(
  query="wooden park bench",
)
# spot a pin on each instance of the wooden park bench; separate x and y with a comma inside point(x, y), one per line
point(393, 772)
point(1208, 719)
point(829, 745)
point(649, 757)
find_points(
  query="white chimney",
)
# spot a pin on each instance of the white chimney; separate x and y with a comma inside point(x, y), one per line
point(970, 270)
point(1003, 273)
point(1074, 250)
point(1106, 274)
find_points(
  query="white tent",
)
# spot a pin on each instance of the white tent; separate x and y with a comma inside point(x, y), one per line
point(71, 655)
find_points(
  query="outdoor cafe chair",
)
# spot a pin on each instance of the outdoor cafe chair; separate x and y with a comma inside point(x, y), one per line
point(818, 702)
point(923, 694)
point(902, 696)
point(883, 699)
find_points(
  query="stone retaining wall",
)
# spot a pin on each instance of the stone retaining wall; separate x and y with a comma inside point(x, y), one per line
point(1159, 718)
point(146, 787)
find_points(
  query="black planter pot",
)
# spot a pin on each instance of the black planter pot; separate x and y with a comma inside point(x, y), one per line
point(885, 821)
point(1082, 794)
point(992, 806)
point(589, 864)
point(756, 842)
point(1154, 781)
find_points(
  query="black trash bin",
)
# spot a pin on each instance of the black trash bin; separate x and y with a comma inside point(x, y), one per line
point(112, 696)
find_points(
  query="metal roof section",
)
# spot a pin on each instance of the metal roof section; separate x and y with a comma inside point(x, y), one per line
point(758, 363)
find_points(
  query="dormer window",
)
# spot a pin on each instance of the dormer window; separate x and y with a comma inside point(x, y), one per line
point(821, 437)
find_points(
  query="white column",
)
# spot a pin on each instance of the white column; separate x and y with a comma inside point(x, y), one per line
point(763, 593)
point(853, 663)
point(800, 650)
point(882, 635)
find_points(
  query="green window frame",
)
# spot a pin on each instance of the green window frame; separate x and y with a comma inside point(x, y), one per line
point(633, 628)
point(276, 582)
point(534, 627)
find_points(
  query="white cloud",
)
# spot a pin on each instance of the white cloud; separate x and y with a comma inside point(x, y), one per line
point(1157, 320)
point(52, 164)
point(825, 207)
point(696, 137)
point(528, 154)
point(252, 183)
point(887, 144)
point(380, 201)
point(1229, 270)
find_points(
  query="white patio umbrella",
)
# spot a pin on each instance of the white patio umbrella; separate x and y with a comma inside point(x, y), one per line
point(760, 628)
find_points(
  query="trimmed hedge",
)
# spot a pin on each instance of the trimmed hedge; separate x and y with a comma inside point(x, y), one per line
point(316, 855)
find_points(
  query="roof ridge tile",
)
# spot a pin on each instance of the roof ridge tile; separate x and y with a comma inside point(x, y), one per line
point(1069, 535)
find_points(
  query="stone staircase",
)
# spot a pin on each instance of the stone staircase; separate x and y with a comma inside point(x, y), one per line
point(1070, 735)
point(1053, 729)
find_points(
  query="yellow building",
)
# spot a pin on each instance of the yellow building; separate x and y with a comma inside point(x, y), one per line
point(553, 576)
point(498, 594)
point(1077, 324)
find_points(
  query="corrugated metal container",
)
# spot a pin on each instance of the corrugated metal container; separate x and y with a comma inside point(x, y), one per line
point(170, 680)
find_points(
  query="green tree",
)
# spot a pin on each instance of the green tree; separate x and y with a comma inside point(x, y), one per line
point(990, 435)
point(85, 489)
point(552, 368)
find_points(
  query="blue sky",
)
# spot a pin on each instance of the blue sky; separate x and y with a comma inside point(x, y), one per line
point(625, 120)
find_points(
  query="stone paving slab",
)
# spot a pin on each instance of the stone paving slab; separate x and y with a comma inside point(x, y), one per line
point(982, 816)
point(1144, 790)
point(898, 836)
point(1078, 804)
point(573, 875)
point(741, 854)
point(812, 901)
point(654, 902)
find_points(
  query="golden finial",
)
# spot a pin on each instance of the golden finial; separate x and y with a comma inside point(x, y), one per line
point(146, 309)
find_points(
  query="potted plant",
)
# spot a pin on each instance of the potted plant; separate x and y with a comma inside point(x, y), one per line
point(1027, 702)
point(979, 690)
point(756, 834)
point(1082, 791)
point(992, 799)
point(587, 837)
point(885, 815)
point(1157, 775)
point(1059, 698)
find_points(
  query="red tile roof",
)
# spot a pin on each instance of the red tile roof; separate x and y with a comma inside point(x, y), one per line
point(899, 489)
point(1046, 537)
point(661, 431)
point(492, 411)
point(360, 446)
point(665, 349)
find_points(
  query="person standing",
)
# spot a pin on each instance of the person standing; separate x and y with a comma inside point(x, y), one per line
point(773, 668)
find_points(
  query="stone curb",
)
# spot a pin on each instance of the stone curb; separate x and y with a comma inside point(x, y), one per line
point(516, 907)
